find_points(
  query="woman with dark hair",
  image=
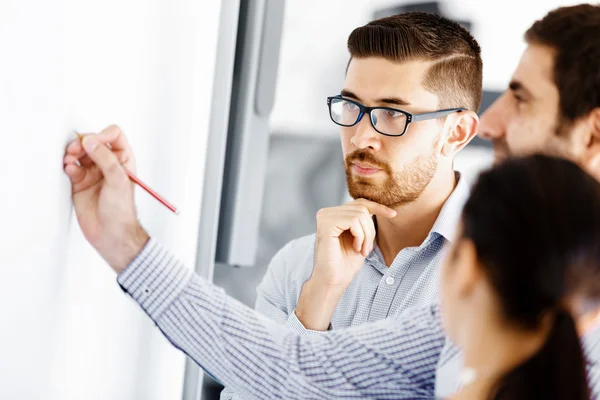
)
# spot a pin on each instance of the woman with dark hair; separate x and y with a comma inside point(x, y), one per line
point(530, 227)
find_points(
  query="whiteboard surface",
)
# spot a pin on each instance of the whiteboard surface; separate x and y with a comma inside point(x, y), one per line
point(68, 332)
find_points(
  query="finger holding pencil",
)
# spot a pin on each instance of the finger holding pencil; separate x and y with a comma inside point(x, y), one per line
point(76, 161)
point(100, 168)
point(111, 136)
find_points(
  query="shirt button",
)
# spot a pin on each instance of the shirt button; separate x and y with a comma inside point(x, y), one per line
point(389, 280)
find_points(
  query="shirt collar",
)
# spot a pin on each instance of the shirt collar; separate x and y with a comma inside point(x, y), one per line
point(591, 343)
point(447, 221)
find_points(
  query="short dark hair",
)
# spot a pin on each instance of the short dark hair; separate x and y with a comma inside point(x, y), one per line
point(574, 34)
point(456, 76)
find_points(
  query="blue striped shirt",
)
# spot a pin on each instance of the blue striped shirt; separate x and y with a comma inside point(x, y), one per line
point(393, 358)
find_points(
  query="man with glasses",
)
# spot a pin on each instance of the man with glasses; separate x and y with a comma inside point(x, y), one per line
point(385, 120)
point(408, 105)
point(552, 107)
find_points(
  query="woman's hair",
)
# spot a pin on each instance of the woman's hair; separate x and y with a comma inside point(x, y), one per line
point(535, 224)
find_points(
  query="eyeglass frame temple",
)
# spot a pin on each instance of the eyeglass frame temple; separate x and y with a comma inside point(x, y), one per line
point(434, 114)
point(409, 116)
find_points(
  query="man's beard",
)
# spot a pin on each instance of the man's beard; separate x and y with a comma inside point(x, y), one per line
point(398, 188)
point(560, 145)
point(501, 150)
point(556, 144)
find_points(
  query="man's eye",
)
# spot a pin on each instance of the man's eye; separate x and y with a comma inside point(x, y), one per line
point(519, 99)
point(350, 106)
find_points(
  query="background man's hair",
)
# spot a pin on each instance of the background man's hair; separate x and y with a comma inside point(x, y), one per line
point(574, 35)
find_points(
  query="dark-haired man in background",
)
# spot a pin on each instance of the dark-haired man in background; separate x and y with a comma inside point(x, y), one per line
point(552, 106)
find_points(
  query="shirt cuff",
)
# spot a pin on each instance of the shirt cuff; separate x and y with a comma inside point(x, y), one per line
point(154, 278)
point(295, 325)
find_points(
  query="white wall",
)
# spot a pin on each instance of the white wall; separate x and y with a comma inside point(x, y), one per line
point(34, 195)
point(67, 330)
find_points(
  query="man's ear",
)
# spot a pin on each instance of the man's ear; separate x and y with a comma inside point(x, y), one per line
point(591, 156)
point(465, 125)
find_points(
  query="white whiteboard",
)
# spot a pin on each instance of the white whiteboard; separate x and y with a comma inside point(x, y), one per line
point(67, 332)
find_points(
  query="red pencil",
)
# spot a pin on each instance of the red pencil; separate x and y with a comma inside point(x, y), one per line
point(145, 187)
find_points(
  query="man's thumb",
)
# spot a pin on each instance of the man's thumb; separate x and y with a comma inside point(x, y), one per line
point(104, 159)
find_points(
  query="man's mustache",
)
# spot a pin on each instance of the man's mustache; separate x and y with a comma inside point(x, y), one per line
point(366, 157)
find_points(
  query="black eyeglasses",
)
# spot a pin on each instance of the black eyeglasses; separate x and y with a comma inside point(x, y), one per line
point(385, 120)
